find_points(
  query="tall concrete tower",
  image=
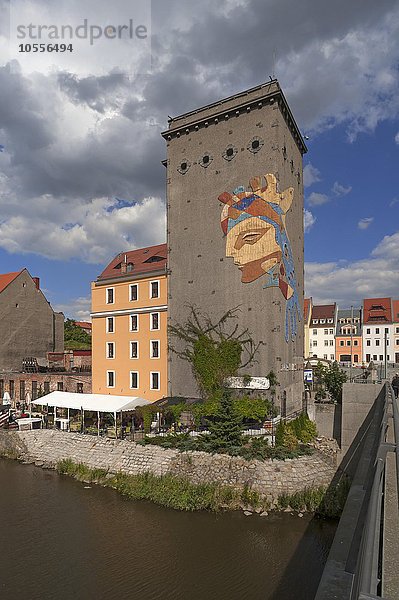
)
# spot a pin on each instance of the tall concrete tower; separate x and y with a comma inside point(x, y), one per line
point(235, 229)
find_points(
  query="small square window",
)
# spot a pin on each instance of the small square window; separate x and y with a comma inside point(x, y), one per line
point(377, 330)
point(314, 331)
point(326, 342)
point(331, 331)
point(355, 343)
point(154, 380)
point(134, 322)
point(377, 342)
point(348, 342)
point(134, 349)
point(134, 380)
point(326, 332)
point(331, 342)
point(315, 343)
point(368, 342)
point(110, 295)
point(341, 343)
point(154, 289)
point(374, 357)
point(332, 356)
point(381, 357)
point(134, 292)
point(368, 331)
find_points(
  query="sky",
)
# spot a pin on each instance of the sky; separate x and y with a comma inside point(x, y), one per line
point(80, 148)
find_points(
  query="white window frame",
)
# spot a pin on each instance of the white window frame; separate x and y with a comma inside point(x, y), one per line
point(107, 324)
point(159, 380)
point(159, 289)
point(138, 323)
point(138, 349)
point(107, 344)
point(108, 373)
point(159, 321)
point(113, 295)
point(138, 380)
point(159, 349)
point(131, 286)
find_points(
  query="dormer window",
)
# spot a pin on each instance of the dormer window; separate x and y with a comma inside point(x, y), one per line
point(129, 267)
point(154, 259)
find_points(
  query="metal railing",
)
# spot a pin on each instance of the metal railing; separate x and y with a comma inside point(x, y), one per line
point(354, 568)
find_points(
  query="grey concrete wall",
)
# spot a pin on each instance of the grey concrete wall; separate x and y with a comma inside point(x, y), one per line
point(357, 400)
point(324, 418)
point(270, 478)
point(28, 325)
point(200, 272)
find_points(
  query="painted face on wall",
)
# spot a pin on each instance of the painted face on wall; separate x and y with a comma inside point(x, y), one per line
point(257, 240)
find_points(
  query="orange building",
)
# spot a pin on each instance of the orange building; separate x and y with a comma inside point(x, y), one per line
point(348, 340)
point(129, 325)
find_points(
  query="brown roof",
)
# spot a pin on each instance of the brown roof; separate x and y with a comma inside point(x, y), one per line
point(377, 310)
point(323, 311)
point(144, 260)
point(83, 324)
point(7, 278)
point(395, 311)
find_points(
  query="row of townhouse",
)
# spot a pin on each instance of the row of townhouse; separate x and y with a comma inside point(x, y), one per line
point(355, 335)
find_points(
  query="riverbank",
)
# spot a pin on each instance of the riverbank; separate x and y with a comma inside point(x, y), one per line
point(183, 480)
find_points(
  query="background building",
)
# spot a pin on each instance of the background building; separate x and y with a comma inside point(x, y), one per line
point(378, 330)
point(322, 331)
point(129, 325)
point(307, 315)
point(348, 341)
point(395, 341)
point(28, 325)
point(235, 228)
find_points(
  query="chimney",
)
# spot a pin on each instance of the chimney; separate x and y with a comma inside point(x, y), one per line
point(123, 265)
point(37, 282)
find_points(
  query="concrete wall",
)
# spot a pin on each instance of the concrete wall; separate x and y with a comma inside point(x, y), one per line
point(270, 478)
point(357, 400)
point(200, 272)
point(28, 324)
point(328, 420)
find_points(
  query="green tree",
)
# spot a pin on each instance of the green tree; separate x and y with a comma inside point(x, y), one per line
point(74, 337)
point(214, 349)
point(334, 380)
point(225, 428)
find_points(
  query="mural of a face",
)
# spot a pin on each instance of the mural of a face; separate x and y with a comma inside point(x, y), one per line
point(257, 240)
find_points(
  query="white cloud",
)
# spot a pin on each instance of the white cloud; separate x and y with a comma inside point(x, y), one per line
point(365, 223)
point(348, 283)
point(397, 138)
point(393, 202)
point(316, 199)
point(310, 175)
point(92, 232)
point(78, 309)
point(308, 220)
point(340, 190)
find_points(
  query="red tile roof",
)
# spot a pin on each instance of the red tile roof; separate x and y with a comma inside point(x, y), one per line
point(144, 260)
point(7, 278)
point(323, 311)
point(83, 324)
point(377, 310)
point(395, 311)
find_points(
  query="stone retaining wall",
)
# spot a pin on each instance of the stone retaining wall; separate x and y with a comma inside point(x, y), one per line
point(270, 478)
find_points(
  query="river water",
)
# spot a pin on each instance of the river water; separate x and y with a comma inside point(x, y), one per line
point(60, 541)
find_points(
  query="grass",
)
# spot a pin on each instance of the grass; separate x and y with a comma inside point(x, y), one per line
point(181, 494)
point(167, 490)
point(325, 502)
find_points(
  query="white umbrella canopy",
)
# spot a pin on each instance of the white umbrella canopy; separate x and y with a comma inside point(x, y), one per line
point(92, 402)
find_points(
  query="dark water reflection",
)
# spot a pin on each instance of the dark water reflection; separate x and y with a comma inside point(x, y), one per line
point(60, 541)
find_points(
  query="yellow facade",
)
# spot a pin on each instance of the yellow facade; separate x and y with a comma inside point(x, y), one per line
point(130, 336)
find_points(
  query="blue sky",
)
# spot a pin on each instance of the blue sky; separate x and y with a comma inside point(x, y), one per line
point(83, 131)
